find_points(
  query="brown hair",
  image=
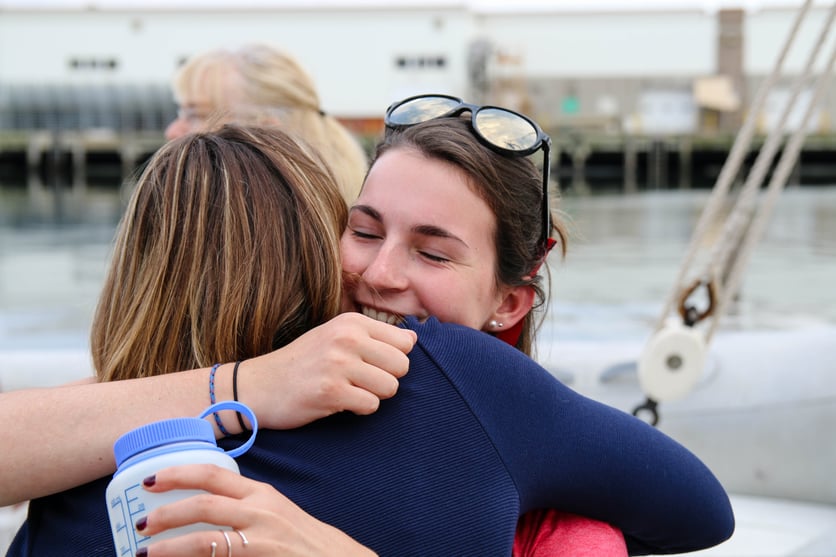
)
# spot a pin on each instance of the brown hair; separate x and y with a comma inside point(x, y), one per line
point(228, 249)
point(513, 189)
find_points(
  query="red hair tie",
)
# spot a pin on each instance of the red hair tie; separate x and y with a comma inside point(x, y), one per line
point(550, 243)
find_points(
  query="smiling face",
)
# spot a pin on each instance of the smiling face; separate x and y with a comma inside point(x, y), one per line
point(422, 243)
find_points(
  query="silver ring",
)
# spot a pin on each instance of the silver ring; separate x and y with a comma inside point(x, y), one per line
point(228, 544)
point(214, 546)
point(243, 537)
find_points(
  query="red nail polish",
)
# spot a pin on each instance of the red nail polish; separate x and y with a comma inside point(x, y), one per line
point(142, 523)
point(142, 552)
point(149, 481)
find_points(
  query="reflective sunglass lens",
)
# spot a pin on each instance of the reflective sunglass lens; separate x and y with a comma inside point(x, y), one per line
point(506, 129)
point(420, 110)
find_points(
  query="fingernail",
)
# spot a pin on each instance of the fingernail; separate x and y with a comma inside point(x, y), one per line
point(142, 552)
point(149, 481)
point(142, 523)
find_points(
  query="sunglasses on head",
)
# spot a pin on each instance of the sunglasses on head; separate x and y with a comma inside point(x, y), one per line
point(504, 131)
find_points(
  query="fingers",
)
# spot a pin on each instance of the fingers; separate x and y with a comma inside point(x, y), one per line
point(350, 363)
point(376, 379)
point(379, 344)
point(253, 515)
point(386, 357)
point(382, 355)
point(223, 498)
point(360, 401)
point(203, 508)
point(257, 519)
point(209, 543)
point(338, 395)
point(207, 477)
point(364, 358)
point(402, 339)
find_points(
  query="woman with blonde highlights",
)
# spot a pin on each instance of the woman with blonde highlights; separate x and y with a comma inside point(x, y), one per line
point(227, 251)
point(245, 243)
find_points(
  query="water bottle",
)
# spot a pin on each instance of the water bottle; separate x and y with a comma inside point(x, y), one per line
point(144, 451)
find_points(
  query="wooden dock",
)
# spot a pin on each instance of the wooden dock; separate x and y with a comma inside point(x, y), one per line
point(585, 163)
point(72, 157)
point(582, 162)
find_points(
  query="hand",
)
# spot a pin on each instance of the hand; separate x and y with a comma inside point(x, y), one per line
point(350, 363)
point(272, 524)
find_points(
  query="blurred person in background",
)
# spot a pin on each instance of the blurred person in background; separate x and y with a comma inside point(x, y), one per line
point(260, 84)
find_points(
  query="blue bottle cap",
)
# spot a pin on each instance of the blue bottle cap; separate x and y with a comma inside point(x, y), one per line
point(177, 430)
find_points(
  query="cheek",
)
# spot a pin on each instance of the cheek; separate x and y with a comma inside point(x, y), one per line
point(345, 252)
point(350, 256)
point(175, 129)
point(462, 302)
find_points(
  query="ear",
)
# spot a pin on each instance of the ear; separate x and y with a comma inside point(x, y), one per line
point(516, 303)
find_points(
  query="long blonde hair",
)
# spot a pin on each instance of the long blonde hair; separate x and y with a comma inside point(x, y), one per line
point(259, 84)
point(228, 249)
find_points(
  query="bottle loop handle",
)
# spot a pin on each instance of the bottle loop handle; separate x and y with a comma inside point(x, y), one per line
point(237, 407)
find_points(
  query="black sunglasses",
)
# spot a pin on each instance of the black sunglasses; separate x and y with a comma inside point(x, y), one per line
point(503, 131)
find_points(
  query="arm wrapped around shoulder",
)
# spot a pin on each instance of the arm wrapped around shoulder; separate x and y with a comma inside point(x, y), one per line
point(571, 453)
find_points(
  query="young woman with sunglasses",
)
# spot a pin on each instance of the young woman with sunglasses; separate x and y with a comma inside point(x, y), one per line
point(419, 436)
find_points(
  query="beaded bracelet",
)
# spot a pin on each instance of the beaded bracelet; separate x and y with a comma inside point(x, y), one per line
point(221, 427)
point(235, 394)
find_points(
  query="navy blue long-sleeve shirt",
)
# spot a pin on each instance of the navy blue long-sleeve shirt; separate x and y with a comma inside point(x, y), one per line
point(477, 434)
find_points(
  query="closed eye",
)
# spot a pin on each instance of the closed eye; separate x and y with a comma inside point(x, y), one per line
point(434, 258)
point(364, 235)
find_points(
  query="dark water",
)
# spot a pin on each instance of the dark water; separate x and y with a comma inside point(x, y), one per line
point(54, 248)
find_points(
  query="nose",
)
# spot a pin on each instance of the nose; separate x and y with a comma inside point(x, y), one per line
point(177, 128)
point(388, 270)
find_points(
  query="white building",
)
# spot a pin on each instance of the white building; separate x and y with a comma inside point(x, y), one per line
point(588, 60)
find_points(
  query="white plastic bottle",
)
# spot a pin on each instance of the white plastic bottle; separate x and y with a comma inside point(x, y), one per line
point(144, 451)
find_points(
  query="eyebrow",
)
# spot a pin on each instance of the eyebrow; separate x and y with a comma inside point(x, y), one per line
point(422, 229)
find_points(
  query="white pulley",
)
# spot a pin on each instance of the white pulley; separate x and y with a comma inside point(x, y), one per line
point(672, 362)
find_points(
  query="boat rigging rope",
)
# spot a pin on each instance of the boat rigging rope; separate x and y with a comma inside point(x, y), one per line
point(757, 223)
point(673, 359)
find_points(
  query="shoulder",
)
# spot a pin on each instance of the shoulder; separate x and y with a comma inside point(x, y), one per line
point(476, 362)
point(453, 340)
point(450, 344)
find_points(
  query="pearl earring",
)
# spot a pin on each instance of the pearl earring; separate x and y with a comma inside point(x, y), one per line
point(494, 324)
